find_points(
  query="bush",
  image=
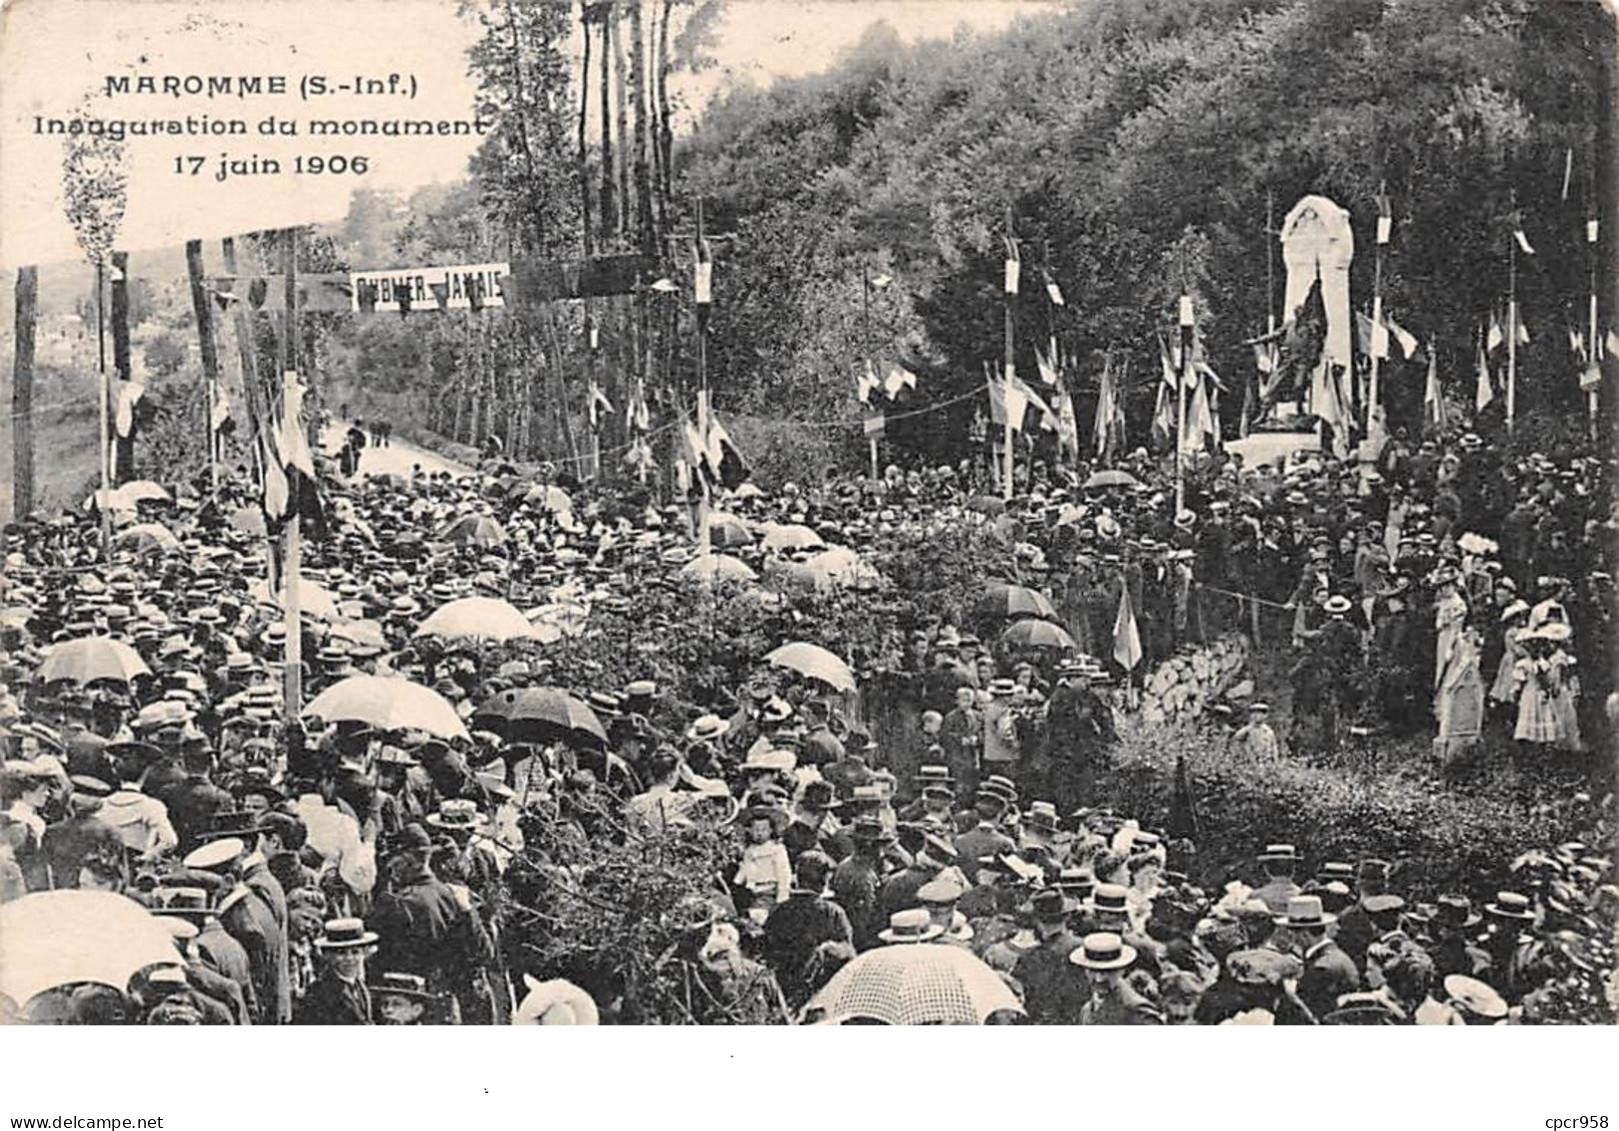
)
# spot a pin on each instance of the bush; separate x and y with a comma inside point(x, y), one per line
point(1441, 839)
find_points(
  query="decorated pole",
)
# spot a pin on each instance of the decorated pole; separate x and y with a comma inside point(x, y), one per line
point(865, 344)
point(1592, 403)
point(292, 673)
point(104, 442)
point(703, 295)
point(1512, 331)
point(1008, 364)
point(1379, 334)
point(1184, 374)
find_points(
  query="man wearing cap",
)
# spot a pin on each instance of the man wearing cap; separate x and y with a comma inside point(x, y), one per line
point(248, 920)
point(194, 804)
point(815, 826)
point(1256, 737)
point(931, 855)
point(986, 837)
point(803, 922)
point(1079, 726)
point(1054, 992)
point(820, 746)
point(417, 915)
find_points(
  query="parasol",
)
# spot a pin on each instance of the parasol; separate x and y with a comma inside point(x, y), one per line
point(387, 703)
point(54, 938)
point(717, 567)
point(90, 658)
point(1031, 633)
point(314, 599)
point(914, 984)
point(537, 714)
point(1003, 600)
point(725, 533)
point(815, 662)
point(1112, 477)
point(147, 538)
point(475, 530)
point(487, 618)
point(792, 536)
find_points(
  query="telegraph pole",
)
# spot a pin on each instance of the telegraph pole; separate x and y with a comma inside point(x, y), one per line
point(292, 673)
point(1008, 363)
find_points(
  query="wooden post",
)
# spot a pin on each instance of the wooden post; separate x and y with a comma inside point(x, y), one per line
point(1512, 329)
point(1592, 401)
point(22, 394)
point(210, 356)
point(124, 464)
point(1180, 398)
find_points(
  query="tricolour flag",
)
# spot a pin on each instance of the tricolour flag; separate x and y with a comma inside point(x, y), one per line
point(1484, 391)
point(1067, 424)
point(1008, 401)
point(1053, 291)
point(1048, 370)
point(1126, 637)
point(1433, 400)
point(898, 379)
point(1108, 431)
point(1385, 216)
point(703, 276)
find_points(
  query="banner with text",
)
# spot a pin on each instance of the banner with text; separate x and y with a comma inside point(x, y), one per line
point(465, 286)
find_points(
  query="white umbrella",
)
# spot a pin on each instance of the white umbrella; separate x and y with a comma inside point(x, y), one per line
point(914, 984)
point(714, 567)
point(486, 618)
point(814, 661)
point(792, 536)
point(54, 938)
point(314, 599)
point(387, 703)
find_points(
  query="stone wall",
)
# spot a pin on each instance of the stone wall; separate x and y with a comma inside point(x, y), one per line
point(1193, 679)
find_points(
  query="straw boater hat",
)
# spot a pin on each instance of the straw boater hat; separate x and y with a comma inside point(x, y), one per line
point(344, 934)
point(707, 728)
point(458, 815)
point(913, 925)
point(1103, 950)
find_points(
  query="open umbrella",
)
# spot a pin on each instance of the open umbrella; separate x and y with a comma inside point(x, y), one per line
point(387, 703)
point(90, 658)
point(486, 618)
point(792, 536)
point(476, 530)
point(1037, 634)
point(727, 533)
point(1003, 600)
point(147, 538)
point(715, 567)
point(914, 984)
point(55, 938)
point(814, 661)
point(1111, 477)
point(314, 599)
point(537, 714)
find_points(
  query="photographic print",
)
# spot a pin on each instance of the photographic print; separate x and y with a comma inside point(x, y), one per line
point(808, 513)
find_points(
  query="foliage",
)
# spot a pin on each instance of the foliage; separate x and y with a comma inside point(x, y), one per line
point(1119, 131)
point(1447, 839)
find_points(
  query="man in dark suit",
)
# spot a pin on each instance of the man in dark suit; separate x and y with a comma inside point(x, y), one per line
point(1328, 971)
point(338, 996)
point(67, 844)
point(196, 801)
point(800, 924)
point(417, 917)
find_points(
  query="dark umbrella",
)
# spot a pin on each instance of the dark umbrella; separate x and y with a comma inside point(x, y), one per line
point(1037, 634)
point(538, 714)
point(1003, 600)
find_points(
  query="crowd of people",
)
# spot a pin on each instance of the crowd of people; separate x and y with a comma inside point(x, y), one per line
point(387, 866)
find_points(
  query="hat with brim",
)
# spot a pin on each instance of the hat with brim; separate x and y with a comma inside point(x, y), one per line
point(778, 817)
point(910, 926)
point(1305, 912)
point(870, 830)
point(1103, 950)
point(182, 902)
point(1475, 997)
point(458, 815)
point(1511, 905)
point(707, 728)
point(1262, 967)
point(344, 934)
point(1279, 852)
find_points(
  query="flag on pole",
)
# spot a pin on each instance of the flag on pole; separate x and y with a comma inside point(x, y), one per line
point(865, 383)
point(1108, 431)
point(598, 401)
point(1610, 344)
point(1067, 424)
point(1014, 265)
point(1522, 330)
point(1433, 400)
point(703, 275)
point(1048, 370)
point(1495, 335)
point(1053, 291)
point(898, 379)
point(1126, 636)
point(1576, 343)
point(1199, 416)
point(1008, 401)
point(1523, 241)
point(220, 416)
point(1385, 216)
point(1165, 407)
point(1484, 392)
point(128, 396)
point(635, 414)
point(296, 485)
point(724, 461)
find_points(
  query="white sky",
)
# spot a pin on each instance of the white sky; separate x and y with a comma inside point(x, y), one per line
point(53, 53)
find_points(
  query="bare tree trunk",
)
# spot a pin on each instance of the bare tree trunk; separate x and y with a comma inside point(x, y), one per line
point(665, 129)
point(621, 111)
point(209, 350)
point(609, 212)
point(22, 394)
point(584, 145)
point(638, 96)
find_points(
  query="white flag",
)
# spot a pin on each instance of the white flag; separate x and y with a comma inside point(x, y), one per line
point(1054, 292)
point(1013, 270)
point(1523, 241)
point(703, 282)
point(898, 378)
